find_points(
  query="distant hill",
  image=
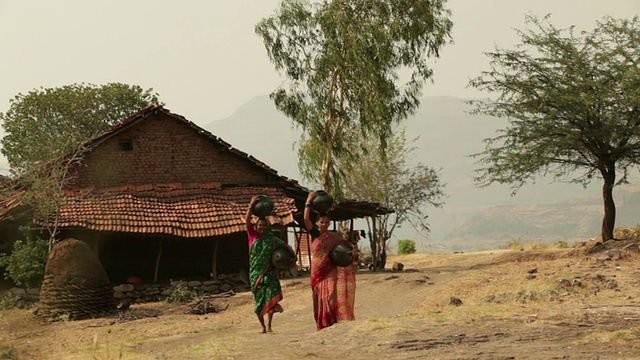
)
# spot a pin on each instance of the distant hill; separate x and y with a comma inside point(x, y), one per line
point(472, 218)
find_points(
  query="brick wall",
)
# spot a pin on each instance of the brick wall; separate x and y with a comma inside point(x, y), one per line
point(162, 149)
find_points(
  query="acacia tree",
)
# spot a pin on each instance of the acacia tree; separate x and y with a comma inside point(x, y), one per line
point(344, 60)
point(391, 178)
point(48, 122)
point(573, 106)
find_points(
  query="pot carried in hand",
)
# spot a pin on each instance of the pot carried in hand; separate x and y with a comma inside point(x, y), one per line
point(262, 207)
point(283, 258)
point(321, 202)
point(341, 254)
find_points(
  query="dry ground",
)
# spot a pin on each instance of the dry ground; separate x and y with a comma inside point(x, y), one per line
point(531, 304)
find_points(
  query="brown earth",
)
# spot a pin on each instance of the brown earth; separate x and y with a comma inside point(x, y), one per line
point(529, 304)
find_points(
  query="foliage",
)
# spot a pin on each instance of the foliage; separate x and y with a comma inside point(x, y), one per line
point(181, 293)
point(513, 244)
point(25, 265)
point(48, 122)
point(392, 179)
point(8, 352)
point(406, 246)
point(344, 60)
point(573, 107)
point(45, 134)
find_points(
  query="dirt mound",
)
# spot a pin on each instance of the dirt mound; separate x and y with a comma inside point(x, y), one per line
point(75, 283)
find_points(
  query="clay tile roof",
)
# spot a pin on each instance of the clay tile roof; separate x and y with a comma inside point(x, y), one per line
point(8, 204)
point(186, 210)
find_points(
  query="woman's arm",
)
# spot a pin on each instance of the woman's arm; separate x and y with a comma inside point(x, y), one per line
point(247, 217)
point(307, 211)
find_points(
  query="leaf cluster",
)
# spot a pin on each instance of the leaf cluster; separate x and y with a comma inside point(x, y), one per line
point(48, 122)
point(25, 266)
point(406, 246)
point(343, 60)
point(393, 179)
point(572, 100)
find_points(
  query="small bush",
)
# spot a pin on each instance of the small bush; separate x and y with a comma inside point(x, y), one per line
point(25, 265)
point(181, 293)
point(514, 244)
point(8, 352)
point(535, 246)
point(406, 246)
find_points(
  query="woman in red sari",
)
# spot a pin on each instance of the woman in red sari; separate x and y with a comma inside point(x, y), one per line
point(333, 287)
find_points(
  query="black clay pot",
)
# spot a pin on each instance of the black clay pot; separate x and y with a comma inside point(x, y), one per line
point(341, 254)
point(322, 202)
point(262, 207)
point(283, 258)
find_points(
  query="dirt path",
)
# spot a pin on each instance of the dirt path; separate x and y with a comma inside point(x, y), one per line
point(399, 315)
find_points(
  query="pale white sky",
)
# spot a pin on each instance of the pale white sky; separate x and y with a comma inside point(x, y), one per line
point(203, 56)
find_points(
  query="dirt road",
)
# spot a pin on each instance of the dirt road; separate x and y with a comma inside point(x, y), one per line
point(548, 304)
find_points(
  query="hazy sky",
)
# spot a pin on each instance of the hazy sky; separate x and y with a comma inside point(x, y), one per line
point(203, 56)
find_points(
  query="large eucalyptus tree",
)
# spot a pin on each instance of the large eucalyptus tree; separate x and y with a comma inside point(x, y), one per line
point(354, 68)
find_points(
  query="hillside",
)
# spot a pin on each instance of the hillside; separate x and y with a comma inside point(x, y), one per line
point(447, 135)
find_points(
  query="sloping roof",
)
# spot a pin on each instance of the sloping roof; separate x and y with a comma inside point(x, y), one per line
point(186, 210)
point(8, 203)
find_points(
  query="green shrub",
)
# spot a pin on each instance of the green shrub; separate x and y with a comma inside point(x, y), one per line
point(8, 352)
point(25, 265)
point(406, 246)
point(181, 293)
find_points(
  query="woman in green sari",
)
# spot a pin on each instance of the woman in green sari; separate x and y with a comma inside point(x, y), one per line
point(265, 284)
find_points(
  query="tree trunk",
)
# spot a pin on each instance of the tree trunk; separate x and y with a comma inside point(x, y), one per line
point(383, 257)
point(609, 218)
point(374, 247)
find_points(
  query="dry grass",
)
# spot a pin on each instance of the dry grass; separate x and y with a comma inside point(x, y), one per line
point(545, 295)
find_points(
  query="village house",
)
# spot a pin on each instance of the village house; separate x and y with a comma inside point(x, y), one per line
point(159, 198)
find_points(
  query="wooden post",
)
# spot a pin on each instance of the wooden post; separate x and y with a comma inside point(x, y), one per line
point(214, 261)
point(374, 245)
point(155, 273)
point(96, 246)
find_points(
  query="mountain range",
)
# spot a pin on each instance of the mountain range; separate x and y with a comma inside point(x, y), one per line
point(446, 135)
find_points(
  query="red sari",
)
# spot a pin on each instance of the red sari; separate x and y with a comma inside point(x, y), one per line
point(334, 287)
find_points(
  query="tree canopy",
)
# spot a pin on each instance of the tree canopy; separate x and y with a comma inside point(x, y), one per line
point(573, 105)
point(394, 180)
point(354, 68)
point(48, 122)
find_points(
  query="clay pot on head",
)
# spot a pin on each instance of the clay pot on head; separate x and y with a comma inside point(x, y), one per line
point(283, 258)
point(341, 254)
point(263, 207)
point(322, 202)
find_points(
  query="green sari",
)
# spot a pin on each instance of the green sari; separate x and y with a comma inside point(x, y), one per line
point(265, 284)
